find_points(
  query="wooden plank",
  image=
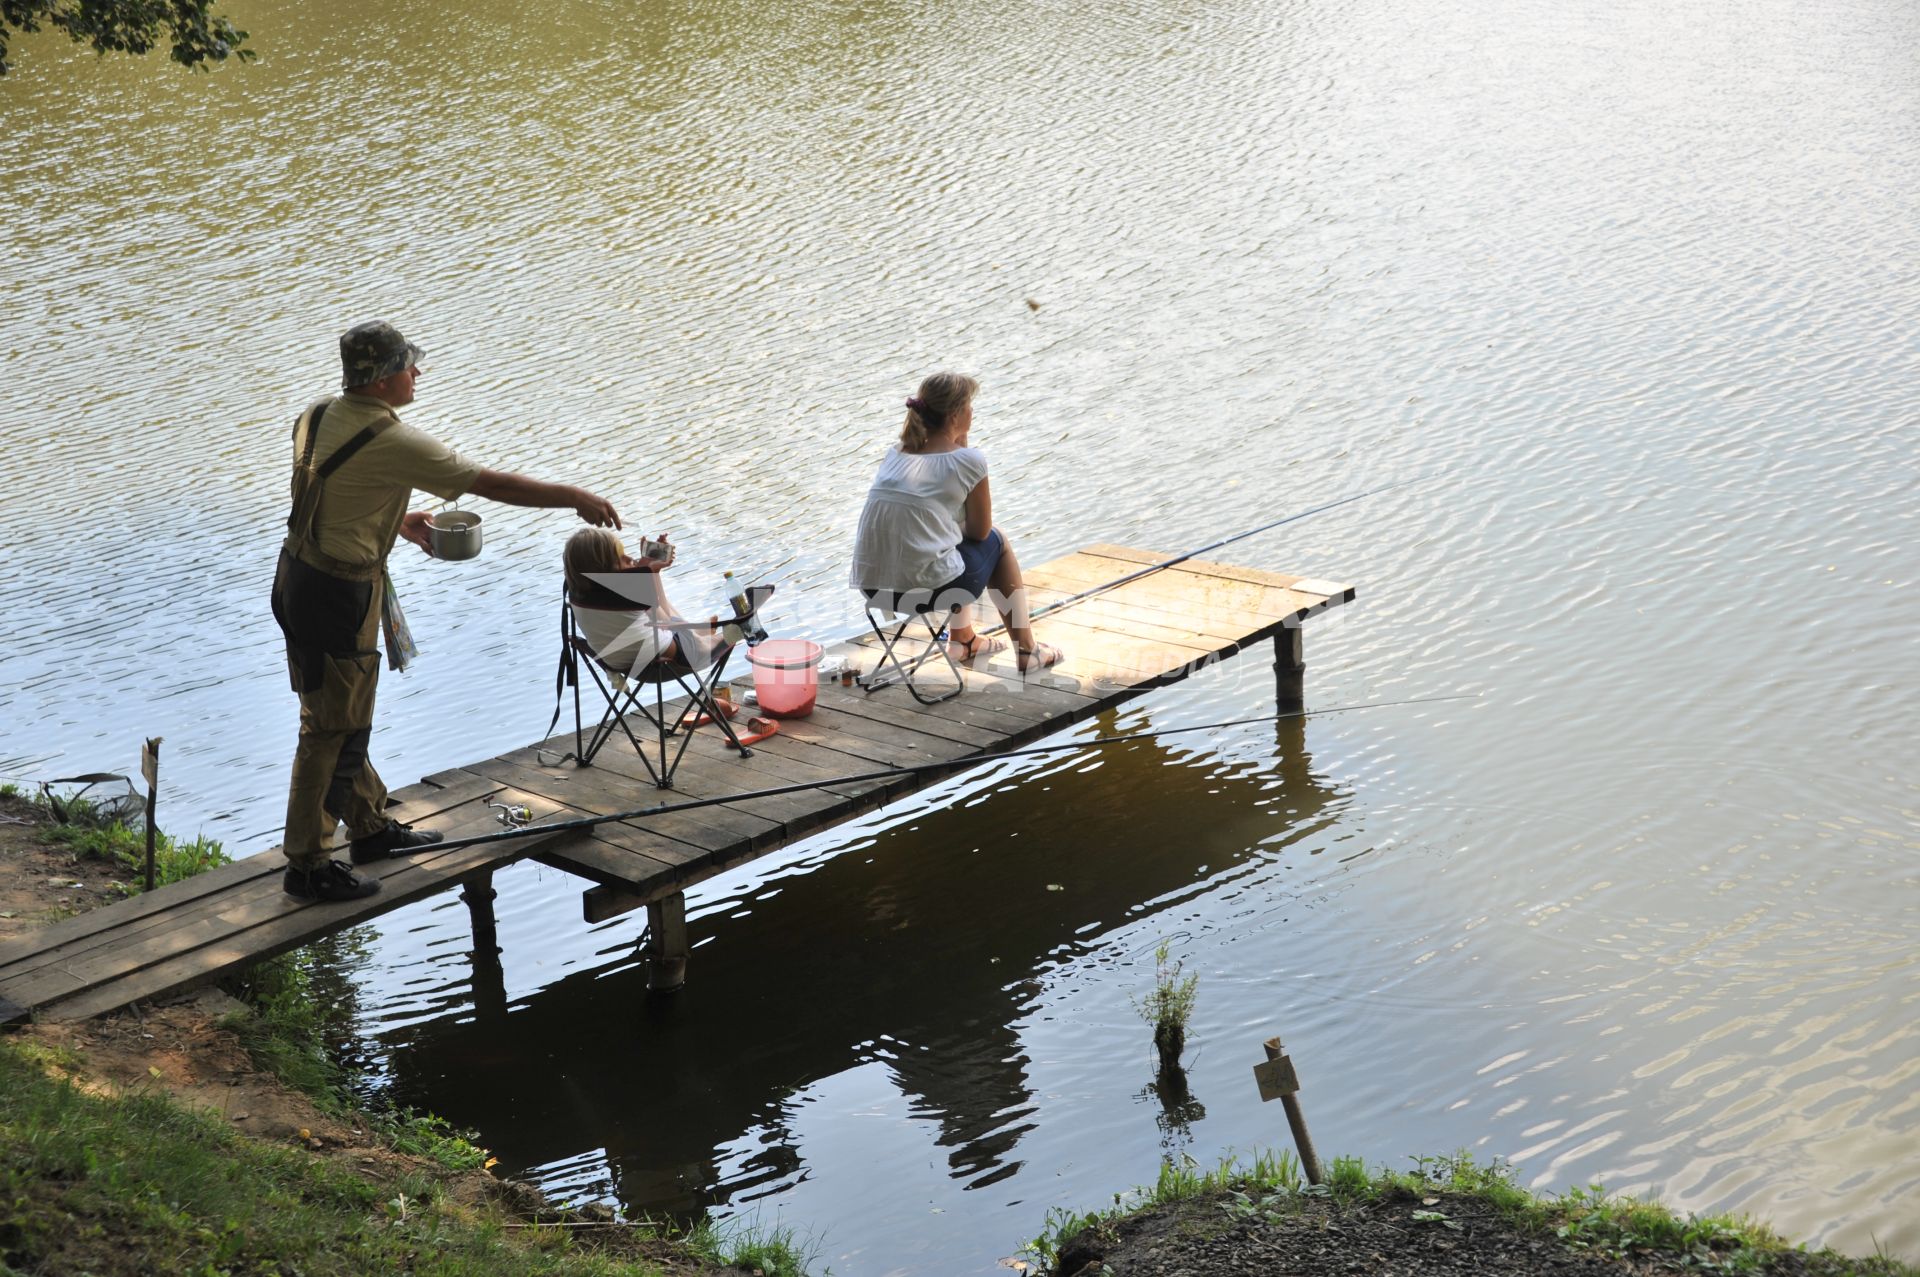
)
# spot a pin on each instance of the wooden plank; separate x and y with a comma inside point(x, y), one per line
point(1336, 591)
point(773, 764)
point(852, 753)
point(1117, 660)
point(712, 760)
point(204, 920)
point(856, 757)
point(1176, 588)
point(1119, 617)
point(894, 707)
point(854, 734)
point(708, 827)
point(117, 952)
point(701, 777)
point(123, 919)
point(1190, 625)
point(255, 933)
point(1120, 642)
point(1128, 560)
point(606, 863)
point(984, 707)
point(1045, 711)
point(597, 904)
point(138, 921)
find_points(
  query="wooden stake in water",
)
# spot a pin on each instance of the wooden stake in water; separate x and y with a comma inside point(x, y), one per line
point(1278, 1081)
point(150, 769)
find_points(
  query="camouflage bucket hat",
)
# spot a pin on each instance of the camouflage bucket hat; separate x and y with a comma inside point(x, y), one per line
point(374, 350)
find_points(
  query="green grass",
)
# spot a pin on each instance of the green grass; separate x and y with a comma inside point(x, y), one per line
point(139, 1183)
point(1271, 1174)
point(1585, 1219)
point(771, 1250)
point(165, 1189)
point(82, 826)
point(283, 1032)
point(173, 860)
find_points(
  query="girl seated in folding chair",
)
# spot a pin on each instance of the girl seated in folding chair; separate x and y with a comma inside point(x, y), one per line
point(618, 616)
point(630, 624)
point(928, 526)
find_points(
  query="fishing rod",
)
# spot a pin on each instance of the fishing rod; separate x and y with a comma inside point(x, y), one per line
point(517, 830)
point(1150, 569)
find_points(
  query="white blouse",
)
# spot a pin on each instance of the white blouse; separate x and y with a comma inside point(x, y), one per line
point(911, 527)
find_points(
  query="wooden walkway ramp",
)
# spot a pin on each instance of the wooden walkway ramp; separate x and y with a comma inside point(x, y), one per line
point(1119, 644)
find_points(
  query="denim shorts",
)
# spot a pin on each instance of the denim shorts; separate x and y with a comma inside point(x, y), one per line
point(979, 558)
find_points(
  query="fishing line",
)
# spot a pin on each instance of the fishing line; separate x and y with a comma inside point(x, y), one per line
point(910, 769)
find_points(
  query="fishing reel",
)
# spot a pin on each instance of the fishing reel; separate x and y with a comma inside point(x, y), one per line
point(512, 815)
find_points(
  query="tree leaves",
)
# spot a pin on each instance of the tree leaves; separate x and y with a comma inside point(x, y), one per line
point(197, 36)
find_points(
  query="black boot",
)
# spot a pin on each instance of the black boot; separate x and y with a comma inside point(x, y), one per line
point(331, 881)
point(395, 840)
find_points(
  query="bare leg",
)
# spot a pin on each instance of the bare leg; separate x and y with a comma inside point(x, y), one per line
point(966, 643)
point(1007, 587)
point(673, 647)
point(1008, 590)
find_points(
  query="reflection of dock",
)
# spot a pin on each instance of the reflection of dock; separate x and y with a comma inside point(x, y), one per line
point(919, 956)
point(1141, 635)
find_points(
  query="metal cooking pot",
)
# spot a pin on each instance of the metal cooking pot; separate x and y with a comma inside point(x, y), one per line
point(454, 534)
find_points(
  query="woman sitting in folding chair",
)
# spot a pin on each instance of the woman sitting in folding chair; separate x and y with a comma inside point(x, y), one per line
point(618, 617)
point(927, 530)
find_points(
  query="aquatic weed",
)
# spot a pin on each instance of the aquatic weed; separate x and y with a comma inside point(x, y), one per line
point(1169, 1006)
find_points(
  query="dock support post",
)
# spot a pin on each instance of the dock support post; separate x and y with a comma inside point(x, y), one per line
point(479, 894)
point(666, 949)
point(1289, 671)
point(489, 979)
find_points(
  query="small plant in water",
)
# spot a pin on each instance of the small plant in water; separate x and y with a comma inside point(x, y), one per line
point(1168, 1007)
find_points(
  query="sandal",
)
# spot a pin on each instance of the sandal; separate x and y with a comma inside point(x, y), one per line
point(758, 729)
point(727, 709)
point(1039, 657)
point(966, 651)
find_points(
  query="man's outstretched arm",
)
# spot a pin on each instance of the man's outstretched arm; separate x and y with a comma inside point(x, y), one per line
point(518, 489)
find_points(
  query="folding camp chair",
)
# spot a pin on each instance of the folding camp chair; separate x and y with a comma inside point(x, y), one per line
point(623, 688)
point(903, 611)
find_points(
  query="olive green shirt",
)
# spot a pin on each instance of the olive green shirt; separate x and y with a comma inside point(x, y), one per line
point(363, 502)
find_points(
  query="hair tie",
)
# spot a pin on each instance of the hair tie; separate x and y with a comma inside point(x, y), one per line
point(913, 402)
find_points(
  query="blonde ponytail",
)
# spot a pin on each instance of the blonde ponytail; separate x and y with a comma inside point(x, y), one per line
point(939, 398)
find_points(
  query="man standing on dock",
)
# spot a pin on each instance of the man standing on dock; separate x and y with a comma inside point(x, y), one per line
point(355, 467)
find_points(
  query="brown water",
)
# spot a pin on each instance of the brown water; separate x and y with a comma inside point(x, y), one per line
point(1631, 285)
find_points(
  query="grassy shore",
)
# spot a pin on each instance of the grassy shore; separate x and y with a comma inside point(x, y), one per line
point(1446, 1214)
point(114, 1177)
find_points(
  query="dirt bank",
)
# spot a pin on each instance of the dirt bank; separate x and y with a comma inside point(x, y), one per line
point(1464, 1221)
point(185, 1050)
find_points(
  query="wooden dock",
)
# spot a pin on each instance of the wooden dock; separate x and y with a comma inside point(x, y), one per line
point(1119, 643)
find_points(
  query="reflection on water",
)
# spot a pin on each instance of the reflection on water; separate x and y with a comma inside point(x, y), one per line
point(824, 969)
point(1625, 284)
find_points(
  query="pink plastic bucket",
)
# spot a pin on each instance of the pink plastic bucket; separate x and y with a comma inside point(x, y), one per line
point(786, 676)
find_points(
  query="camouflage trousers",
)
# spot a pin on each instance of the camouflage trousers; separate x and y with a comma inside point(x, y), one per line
point(332, 628)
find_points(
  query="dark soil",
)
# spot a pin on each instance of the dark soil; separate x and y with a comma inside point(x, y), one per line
point(1216, 1236)
point(42, 882)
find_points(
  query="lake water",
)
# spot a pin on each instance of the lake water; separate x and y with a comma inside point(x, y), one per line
point(1631, 287)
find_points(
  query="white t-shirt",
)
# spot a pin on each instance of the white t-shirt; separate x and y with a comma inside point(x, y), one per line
point(628, 641)
point(912, 523)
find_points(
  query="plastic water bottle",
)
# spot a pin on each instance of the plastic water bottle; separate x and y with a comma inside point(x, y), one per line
point(752, 630)
point(737, 601)
point(735, 595)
